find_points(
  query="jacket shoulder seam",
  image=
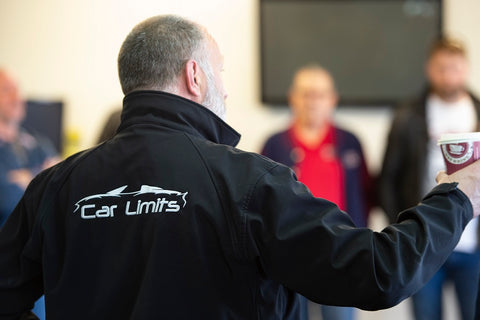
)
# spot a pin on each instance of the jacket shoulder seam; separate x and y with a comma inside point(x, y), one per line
point(245, 208)
point(233, 233)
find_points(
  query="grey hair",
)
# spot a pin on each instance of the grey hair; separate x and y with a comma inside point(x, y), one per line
point(156, 50)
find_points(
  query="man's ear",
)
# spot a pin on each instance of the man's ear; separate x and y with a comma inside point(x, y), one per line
point(194, 80)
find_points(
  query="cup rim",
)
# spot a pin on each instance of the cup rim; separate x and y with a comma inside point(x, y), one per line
point(447, 138)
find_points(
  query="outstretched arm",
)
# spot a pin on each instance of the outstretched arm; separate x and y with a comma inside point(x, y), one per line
point(312, 247)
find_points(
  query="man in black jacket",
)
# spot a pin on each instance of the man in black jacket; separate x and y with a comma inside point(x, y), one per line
point(168, 220)
point(412, 159)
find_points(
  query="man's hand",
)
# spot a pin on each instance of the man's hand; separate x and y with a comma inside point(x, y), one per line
point(468, 180)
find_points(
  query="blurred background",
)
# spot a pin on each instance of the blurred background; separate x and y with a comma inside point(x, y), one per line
point(66, 51)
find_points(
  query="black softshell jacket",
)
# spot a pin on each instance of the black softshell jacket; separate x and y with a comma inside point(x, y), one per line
point(168, 220)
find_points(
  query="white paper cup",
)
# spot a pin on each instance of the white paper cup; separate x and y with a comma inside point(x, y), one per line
point(459, 149)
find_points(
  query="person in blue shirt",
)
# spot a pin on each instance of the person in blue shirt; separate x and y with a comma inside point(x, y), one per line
point(23, 154)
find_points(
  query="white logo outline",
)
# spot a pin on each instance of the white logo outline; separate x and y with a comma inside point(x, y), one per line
point(144, 189)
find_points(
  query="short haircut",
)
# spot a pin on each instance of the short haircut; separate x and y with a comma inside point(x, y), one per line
point(311, 67)
point(449, 45)
point(155, 52)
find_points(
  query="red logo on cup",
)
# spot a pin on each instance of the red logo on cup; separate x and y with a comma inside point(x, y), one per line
point(457, 153)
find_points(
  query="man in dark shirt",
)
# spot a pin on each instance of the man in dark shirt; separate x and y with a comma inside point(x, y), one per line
point(23, 154)
point(168, 220)
point(412, 158)
point(326, 158)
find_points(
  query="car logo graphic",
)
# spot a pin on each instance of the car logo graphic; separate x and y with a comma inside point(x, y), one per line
point(149, 199)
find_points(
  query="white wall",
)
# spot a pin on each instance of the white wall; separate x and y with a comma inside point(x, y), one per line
point(67, 49)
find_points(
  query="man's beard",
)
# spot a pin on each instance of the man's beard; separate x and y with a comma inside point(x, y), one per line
point(213, 98)
point(450, 94)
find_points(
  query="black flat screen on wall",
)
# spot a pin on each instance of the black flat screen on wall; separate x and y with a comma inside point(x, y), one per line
point(46, 118)
point(375, 50)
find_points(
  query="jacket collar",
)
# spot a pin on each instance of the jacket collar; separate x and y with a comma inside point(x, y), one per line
point(172, 111)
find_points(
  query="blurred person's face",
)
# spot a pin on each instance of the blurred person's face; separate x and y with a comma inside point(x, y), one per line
point(215, 94)
point(313, 98)
point(12, 108)
point(447, 73)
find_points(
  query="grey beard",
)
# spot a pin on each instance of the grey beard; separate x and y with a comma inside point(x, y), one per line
point(214, 101)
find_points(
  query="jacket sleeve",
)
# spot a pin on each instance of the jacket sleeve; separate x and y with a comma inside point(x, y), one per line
point(360, 188)
point(20, 266)
point(269, 149)
point(278, 148)
point(310, 246)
